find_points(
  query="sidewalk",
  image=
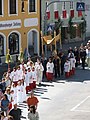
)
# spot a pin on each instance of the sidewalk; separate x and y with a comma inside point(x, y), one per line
point(66, 46)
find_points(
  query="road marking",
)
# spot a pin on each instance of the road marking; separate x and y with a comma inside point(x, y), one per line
point(73, 109)
point(82, 111)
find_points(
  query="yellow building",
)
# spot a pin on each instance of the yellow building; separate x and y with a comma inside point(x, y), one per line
point(19, 27)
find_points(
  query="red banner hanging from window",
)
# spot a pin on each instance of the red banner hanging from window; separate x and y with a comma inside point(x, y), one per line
point(56, 14)
point(72, 13)
point(48, 15)
point(64, 12)
point(79, 13)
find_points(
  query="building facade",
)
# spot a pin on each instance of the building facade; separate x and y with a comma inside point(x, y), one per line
point(19, 27)
point(64, 11)
point(87, 16)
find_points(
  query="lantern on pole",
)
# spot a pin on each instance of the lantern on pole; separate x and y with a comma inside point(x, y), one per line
point(8, 58)
point(21, 56)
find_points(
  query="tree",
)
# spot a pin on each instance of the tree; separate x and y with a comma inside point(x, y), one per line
point(83, 25)
point(58, 24)
point(70, 26)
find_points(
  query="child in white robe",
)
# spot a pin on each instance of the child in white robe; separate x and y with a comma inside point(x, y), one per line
point(19, 73)
point(14, 88)
point(13, 76)
point(19, 92)
point(23, 87)
point(34, 77)
point(67, 68)
point(39, 69)
point(50, 69)
point(29, 76)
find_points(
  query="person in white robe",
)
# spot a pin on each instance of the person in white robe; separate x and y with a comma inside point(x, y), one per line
point(73, 61)
point(29, 76)
point(34, 77)
point(19, 93)
point(23, 87)
point(14, 93)
point(67, 68)
point(25, 77)
point(88, 57)
point(49, 69)
point(13, 98)
point(19, 73)
point(13, 76)
point(39, 69)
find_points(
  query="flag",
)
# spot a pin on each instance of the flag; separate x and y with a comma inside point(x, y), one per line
point(79, 13)
point(48, 15)
point(64, 12)
point(56, 14)
point(72, 13)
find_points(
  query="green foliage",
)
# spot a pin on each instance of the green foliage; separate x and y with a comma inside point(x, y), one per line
point(70, 28)
point(58, 24)
point(83, 25)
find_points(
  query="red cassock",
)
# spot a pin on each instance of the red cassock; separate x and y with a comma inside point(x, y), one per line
point(64, 13)
point(48, 15)
point(72, 13)
point(67, 74)
point(49, 76)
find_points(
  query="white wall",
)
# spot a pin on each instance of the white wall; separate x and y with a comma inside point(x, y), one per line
point(87, 13)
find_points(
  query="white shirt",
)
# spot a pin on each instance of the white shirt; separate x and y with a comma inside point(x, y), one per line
point(19, 74)
point(50, 67)
point(67, 66)
point(13, 76)
point(29, 76)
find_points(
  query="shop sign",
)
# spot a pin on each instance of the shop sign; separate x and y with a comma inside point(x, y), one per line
point(29, 22)
point(10, 24)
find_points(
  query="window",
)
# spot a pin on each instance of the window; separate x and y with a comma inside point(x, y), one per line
point(0, 7)
point(22, 6)
point(32, 4)
point(12, 6)
point(14, 43)
point(1, 45)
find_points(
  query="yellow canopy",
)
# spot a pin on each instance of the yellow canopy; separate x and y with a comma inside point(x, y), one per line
point(48, 39)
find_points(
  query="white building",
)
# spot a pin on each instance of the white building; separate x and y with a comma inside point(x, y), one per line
point(87, 14)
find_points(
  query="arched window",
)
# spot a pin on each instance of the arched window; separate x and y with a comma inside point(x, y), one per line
point(1, 45)
point(14, 43)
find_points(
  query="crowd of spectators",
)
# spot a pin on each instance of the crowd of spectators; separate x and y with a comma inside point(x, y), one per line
point(25, 77)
